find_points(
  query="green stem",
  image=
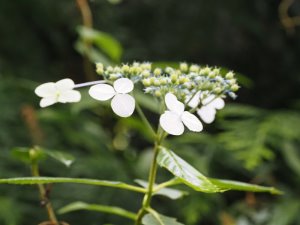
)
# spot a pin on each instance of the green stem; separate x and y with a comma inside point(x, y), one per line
point(145, 120)
point(168, 183)
point(43, 195)
point(151, 182)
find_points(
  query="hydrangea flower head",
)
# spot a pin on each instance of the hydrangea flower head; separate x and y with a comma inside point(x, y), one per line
point(61, 91)
point(174, 119)
point(122, 103)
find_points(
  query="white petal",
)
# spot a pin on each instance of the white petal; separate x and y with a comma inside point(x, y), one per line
point(48, 101)
point(191, 121)
point(102, 92)
point(69, 96)
point(194, 102)
point(218, 103)
point(208, 99)
point(123, 85)
point(46, 90)
point(171, 123)
point(123, 105)
point(207, 114)
point(173, 104)
point(65, 84)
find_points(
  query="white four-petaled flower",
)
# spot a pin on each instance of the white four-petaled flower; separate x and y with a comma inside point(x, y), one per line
point(61, 91)
point(174, 119)
point(209, 107)
point(122, 103)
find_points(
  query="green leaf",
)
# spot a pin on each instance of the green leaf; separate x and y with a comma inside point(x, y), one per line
point(167, 192)
point(64, 158)
point(158, 219)
point(185, 172)
point(26, 155)
point(104, 41)
point(95, 207)
point(48, 180)
point(37, 154)
point(241, 186)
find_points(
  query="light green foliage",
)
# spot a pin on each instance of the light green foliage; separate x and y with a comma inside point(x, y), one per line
point(252, 133)
point(98, 46)
point(158, 219)
point(75, 206)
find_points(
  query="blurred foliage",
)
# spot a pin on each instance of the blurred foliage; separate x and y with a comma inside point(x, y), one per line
point(257, 141)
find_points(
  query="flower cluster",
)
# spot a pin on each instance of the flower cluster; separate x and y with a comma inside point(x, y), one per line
point(183, 91)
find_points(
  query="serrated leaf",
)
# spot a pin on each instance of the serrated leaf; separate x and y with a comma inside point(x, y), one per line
point(167, 192)
point(150, 219)
point(185, 172)
point(75, 206)
point(65, 158)
point(49, 180)
point(241, 186)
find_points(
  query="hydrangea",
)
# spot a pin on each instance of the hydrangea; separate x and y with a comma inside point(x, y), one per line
point(183, 90)
point(61, 91)
point(122, 103)
point(174, 119)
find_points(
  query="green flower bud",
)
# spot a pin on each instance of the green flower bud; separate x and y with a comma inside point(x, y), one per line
point(146, 66)
point(99, 68)
point(157, 93)
point(194, 68)
point(156, 82)
point(183, 67)
point(146, 73)
point(125, 68)
point(163, 81)
point(235, 87)
point(205, 71)
point(174, 77)
point(146, 82)
point(113, 76)
point(109, 69)
point(183, 79)
point(229, 75)
point(169, 70)
point(152, 80)
point(157, 72)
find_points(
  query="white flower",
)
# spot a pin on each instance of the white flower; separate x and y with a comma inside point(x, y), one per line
point(210, 104)
point(174, 119)
point(122, 103)
point(61, 91)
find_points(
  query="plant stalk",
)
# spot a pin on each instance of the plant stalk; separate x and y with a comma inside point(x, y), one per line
point(43, 195)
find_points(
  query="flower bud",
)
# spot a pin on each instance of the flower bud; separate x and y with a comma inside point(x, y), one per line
point(169, 70)
point(205, 71)
point(194, 68)
point(229, 75)
point(125, 68)
point(146, 73)
point(157, 72)
point(146, 66)
point(99, 68)
point(152, 80)
point(174, 77)
point(157, 93)
point(156, 82)
point(235, 87)
point(146, 82)
point(183, 67)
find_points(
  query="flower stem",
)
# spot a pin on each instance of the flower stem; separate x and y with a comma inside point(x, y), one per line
point(43, 195)
point(151, 182)
point(145, 120)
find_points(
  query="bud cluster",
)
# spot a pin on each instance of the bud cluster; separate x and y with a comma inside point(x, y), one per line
point(184, 81)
